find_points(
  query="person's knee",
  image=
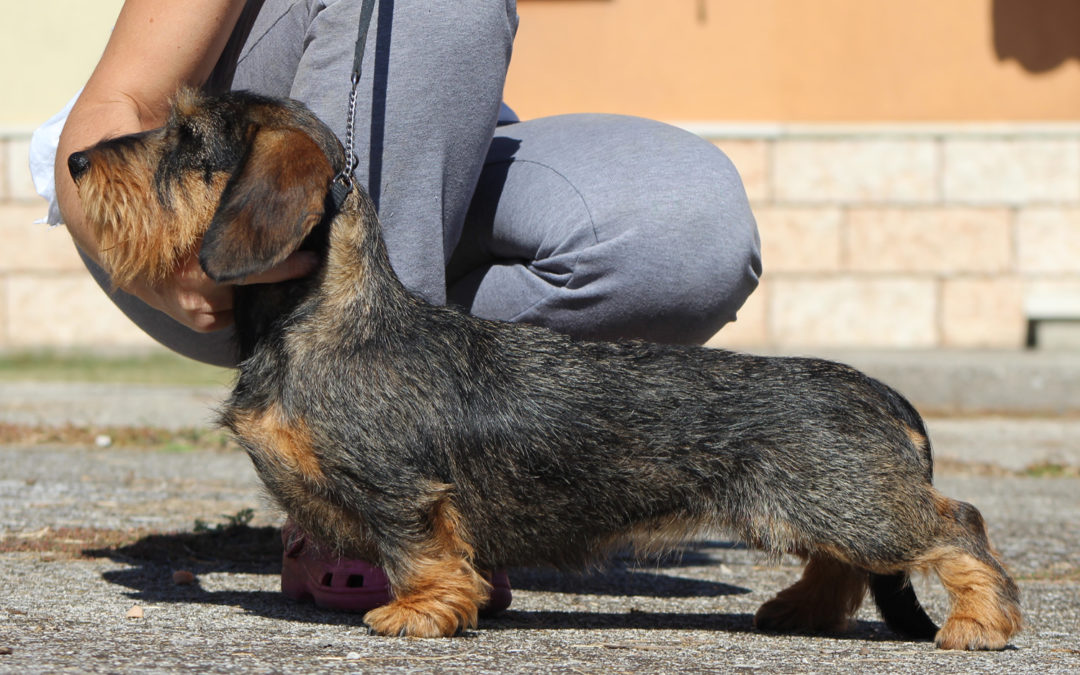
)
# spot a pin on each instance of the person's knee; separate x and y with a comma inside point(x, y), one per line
point(663, 247)
point(696, 278)
point(724, 263)
point(703, 257)
point(722, 273)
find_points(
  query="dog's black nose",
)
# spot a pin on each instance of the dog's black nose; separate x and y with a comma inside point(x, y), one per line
point(78, 163)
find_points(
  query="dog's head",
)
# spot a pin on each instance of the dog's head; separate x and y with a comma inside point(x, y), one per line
point(243, 176)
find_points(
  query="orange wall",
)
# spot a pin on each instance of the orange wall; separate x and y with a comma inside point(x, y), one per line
point(799, 60)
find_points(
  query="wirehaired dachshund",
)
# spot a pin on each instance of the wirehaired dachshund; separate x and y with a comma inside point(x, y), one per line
point(441, 446)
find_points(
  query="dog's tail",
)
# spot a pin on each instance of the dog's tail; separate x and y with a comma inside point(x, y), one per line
point(903, 614)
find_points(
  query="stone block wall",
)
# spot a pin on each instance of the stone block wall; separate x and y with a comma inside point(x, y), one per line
point(910, 236)
point(875, 236)
point(47, 299)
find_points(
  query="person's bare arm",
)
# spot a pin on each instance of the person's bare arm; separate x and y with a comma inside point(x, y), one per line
point(155, 47)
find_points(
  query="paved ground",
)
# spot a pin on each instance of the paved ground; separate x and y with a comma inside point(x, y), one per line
point(87, 533)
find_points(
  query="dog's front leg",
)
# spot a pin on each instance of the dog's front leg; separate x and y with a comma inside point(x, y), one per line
point(437, 591)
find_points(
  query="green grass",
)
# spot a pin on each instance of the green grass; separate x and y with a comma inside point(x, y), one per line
point(157, 367)
point(175, 441)
point(1050, 470)
point(238, 520)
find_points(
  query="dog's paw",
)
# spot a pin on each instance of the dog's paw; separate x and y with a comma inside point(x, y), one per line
point(967, 633)
point(403, 618)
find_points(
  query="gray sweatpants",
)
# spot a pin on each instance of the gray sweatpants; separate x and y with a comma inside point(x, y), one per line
point(596, 225)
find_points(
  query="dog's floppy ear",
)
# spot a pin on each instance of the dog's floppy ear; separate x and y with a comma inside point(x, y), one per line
point(269, 205)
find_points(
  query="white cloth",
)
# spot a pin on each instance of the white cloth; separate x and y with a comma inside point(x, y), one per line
point(43, 158)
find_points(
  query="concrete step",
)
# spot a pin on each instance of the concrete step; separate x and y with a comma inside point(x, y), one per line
point(1010, 383)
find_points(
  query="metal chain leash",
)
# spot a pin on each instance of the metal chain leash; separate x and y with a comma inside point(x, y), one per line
point(343, 182)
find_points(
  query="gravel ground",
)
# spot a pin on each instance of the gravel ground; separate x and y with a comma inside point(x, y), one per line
point(89, 533)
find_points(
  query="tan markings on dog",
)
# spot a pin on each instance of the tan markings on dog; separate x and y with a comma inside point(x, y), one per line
point(441, 591)
point(338, 531)
point(657, 536)
point(822, 601)
point(278, 437)
point(981, 616)
point(187, 101)
point(345, 266)
point(946, 508)
point(345, 270)
point(918, 439)
point(140, 238)
point(770, 533)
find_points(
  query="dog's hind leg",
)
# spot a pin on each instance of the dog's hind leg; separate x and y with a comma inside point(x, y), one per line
point(985, 602)
point(822, 601)
point(437, 591)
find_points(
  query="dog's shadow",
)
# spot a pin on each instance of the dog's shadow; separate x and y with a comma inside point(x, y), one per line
point(240, 549)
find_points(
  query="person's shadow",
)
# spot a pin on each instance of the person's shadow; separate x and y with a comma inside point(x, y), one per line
point(241, 549)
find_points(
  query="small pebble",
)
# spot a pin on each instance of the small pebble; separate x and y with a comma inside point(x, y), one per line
point(352, 656)
point(183, 577)
point(103, 440)
point(135, 612)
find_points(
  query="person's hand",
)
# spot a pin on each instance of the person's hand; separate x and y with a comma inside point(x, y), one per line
point(202, 304)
